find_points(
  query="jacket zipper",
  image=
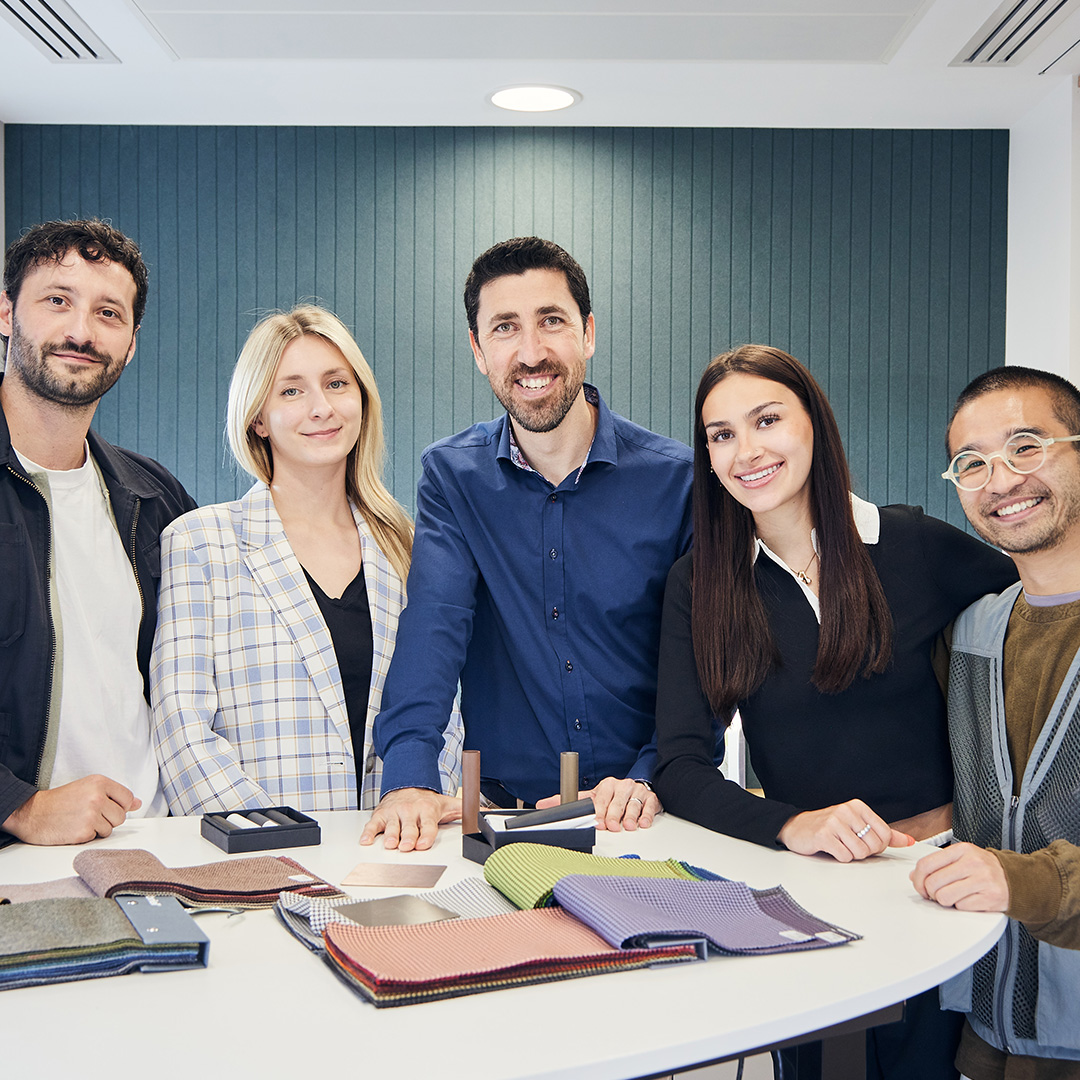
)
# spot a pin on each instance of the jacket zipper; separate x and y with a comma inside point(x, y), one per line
point(52, 625)
point(134, 566)
point(1007, 939)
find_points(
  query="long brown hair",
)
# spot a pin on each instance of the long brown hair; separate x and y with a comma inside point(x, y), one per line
point(733, 644)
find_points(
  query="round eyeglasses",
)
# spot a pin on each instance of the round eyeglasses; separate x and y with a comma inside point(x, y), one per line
point(1023, 453)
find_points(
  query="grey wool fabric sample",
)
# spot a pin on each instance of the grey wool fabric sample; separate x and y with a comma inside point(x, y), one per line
point(48, 925)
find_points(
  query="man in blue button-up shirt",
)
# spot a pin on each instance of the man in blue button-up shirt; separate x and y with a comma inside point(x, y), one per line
point(543, 541)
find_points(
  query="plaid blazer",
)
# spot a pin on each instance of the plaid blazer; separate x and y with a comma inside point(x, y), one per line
point(248, 706)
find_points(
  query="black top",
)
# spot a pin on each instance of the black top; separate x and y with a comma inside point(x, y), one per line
point(348, 619)
point(883, 740)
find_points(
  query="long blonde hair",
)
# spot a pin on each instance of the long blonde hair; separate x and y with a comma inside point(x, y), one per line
point(249, 388)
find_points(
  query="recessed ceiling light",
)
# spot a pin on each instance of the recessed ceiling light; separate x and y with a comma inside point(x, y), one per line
point(534, 98)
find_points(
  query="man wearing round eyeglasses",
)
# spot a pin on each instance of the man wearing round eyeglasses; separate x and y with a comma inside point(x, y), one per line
point(1014, 723)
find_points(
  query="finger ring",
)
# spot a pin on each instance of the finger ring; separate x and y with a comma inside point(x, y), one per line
point(863, 831)
point(634, 798)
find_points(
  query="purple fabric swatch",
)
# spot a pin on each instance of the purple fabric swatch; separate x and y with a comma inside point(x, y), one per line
point(729, 915)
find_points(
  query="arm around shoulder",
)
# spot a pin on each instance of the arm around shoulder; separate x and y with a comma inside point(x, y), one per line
point(963, 566)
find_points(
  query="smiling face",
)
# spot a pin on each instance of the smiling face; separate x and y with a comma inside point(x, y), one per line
point(71, 332)
point(761, 444)
point(313, 413)
point(1022, 514)
point(532, 345)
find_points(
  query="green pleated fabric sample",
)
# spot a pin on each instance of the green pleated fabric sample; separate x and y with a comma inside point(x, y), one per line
point(525, 873)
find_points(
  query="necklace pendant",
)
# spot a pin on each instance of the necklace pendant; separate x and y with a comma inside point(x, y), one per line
point(801, 575)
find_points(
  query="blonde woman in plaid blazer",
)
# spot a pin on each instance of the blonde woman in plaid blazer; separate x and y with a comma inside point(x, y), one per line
point(249, 706)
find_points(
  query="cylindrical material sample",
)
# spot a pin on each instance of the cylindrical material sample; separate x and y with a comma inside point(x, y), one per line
point(470, 792)
point(568, 776)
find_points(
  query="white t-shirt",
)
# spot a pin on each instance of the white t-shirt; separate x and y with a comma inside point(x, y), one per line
point(104, 718)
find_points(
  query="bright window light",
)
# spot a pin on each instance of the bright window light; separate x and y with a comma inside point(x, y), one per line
point(534, 98)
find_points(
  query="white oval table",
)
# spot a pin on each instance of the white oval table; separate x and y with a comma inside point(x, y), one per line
point(267, 1007)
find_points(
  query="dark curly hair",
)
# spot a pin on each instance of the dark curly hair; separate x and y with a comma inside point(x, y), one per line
point(94, 240)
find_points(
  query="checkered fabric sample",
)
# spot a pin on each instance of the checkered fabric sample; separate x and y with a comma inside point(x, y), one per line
point(307, 917)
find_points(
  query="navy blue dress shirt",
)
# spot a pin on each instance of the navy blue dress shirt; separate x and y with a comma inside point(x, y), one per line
point(544, 601)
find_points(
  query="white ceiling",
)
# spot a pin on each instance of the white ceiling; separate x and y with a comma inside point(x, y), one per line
point(709, 63)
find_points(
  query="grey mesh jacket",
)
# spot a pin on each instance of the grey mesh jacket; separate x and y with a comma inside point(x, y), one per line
point(1021, 997)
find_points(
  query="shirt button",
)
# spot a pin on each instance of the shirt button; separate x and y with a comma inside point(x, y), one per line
point(553, 554)
point(569, 666)
point(554, 498)
point(554, 612)
point(577, 725)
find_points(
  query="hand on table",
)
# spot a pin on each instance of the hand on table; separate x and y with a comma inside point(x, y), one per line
point(927, 824)
point(964, 877)
point(72, 813)
point(620, 804)
point(409, 818)
point(835, 830)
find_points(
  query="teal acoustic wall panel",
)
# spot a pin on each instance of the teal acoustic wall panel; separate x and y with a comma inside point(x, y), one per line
point(877, 257)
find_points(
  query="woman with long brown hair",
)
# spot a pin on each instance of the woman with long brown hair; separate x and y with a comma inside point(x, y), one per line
point(815, 614)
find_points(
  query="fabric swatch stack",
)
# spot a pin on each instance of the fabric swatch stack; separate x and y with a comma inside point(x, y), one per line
point(61, 940)
point(402, 965)
point(612, 915)
point(126, 912)
point(728, 916)
point(247, 884)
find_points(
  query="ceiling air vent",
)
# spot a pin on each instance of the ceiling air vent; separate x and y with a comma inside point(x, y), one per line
point(55, 30)
point(1015, 30)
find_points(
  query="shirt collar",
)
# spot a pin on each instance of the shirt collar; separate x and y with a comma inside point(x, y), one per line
point(602, 447)
point(867, 524)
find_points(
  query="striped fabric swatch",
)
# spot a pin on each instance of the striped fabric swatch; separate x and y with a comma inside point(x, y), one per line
point(403, 965)
point(307, 917)
point(234, 883)
point(731, 916)
point(526, 873)
point(65, 940)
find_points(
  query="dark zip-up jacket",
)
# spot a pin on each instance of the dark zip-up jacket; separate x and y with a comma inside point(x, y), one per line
point(145, 498)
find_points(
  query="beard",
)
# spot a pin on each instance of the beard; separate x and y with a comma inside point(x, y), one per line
point(30, 363)
point(1041, 535)
point(544, 415)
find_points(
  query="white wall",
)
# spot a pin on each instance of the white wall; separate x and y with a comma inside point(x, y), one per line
point(1043, 304)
